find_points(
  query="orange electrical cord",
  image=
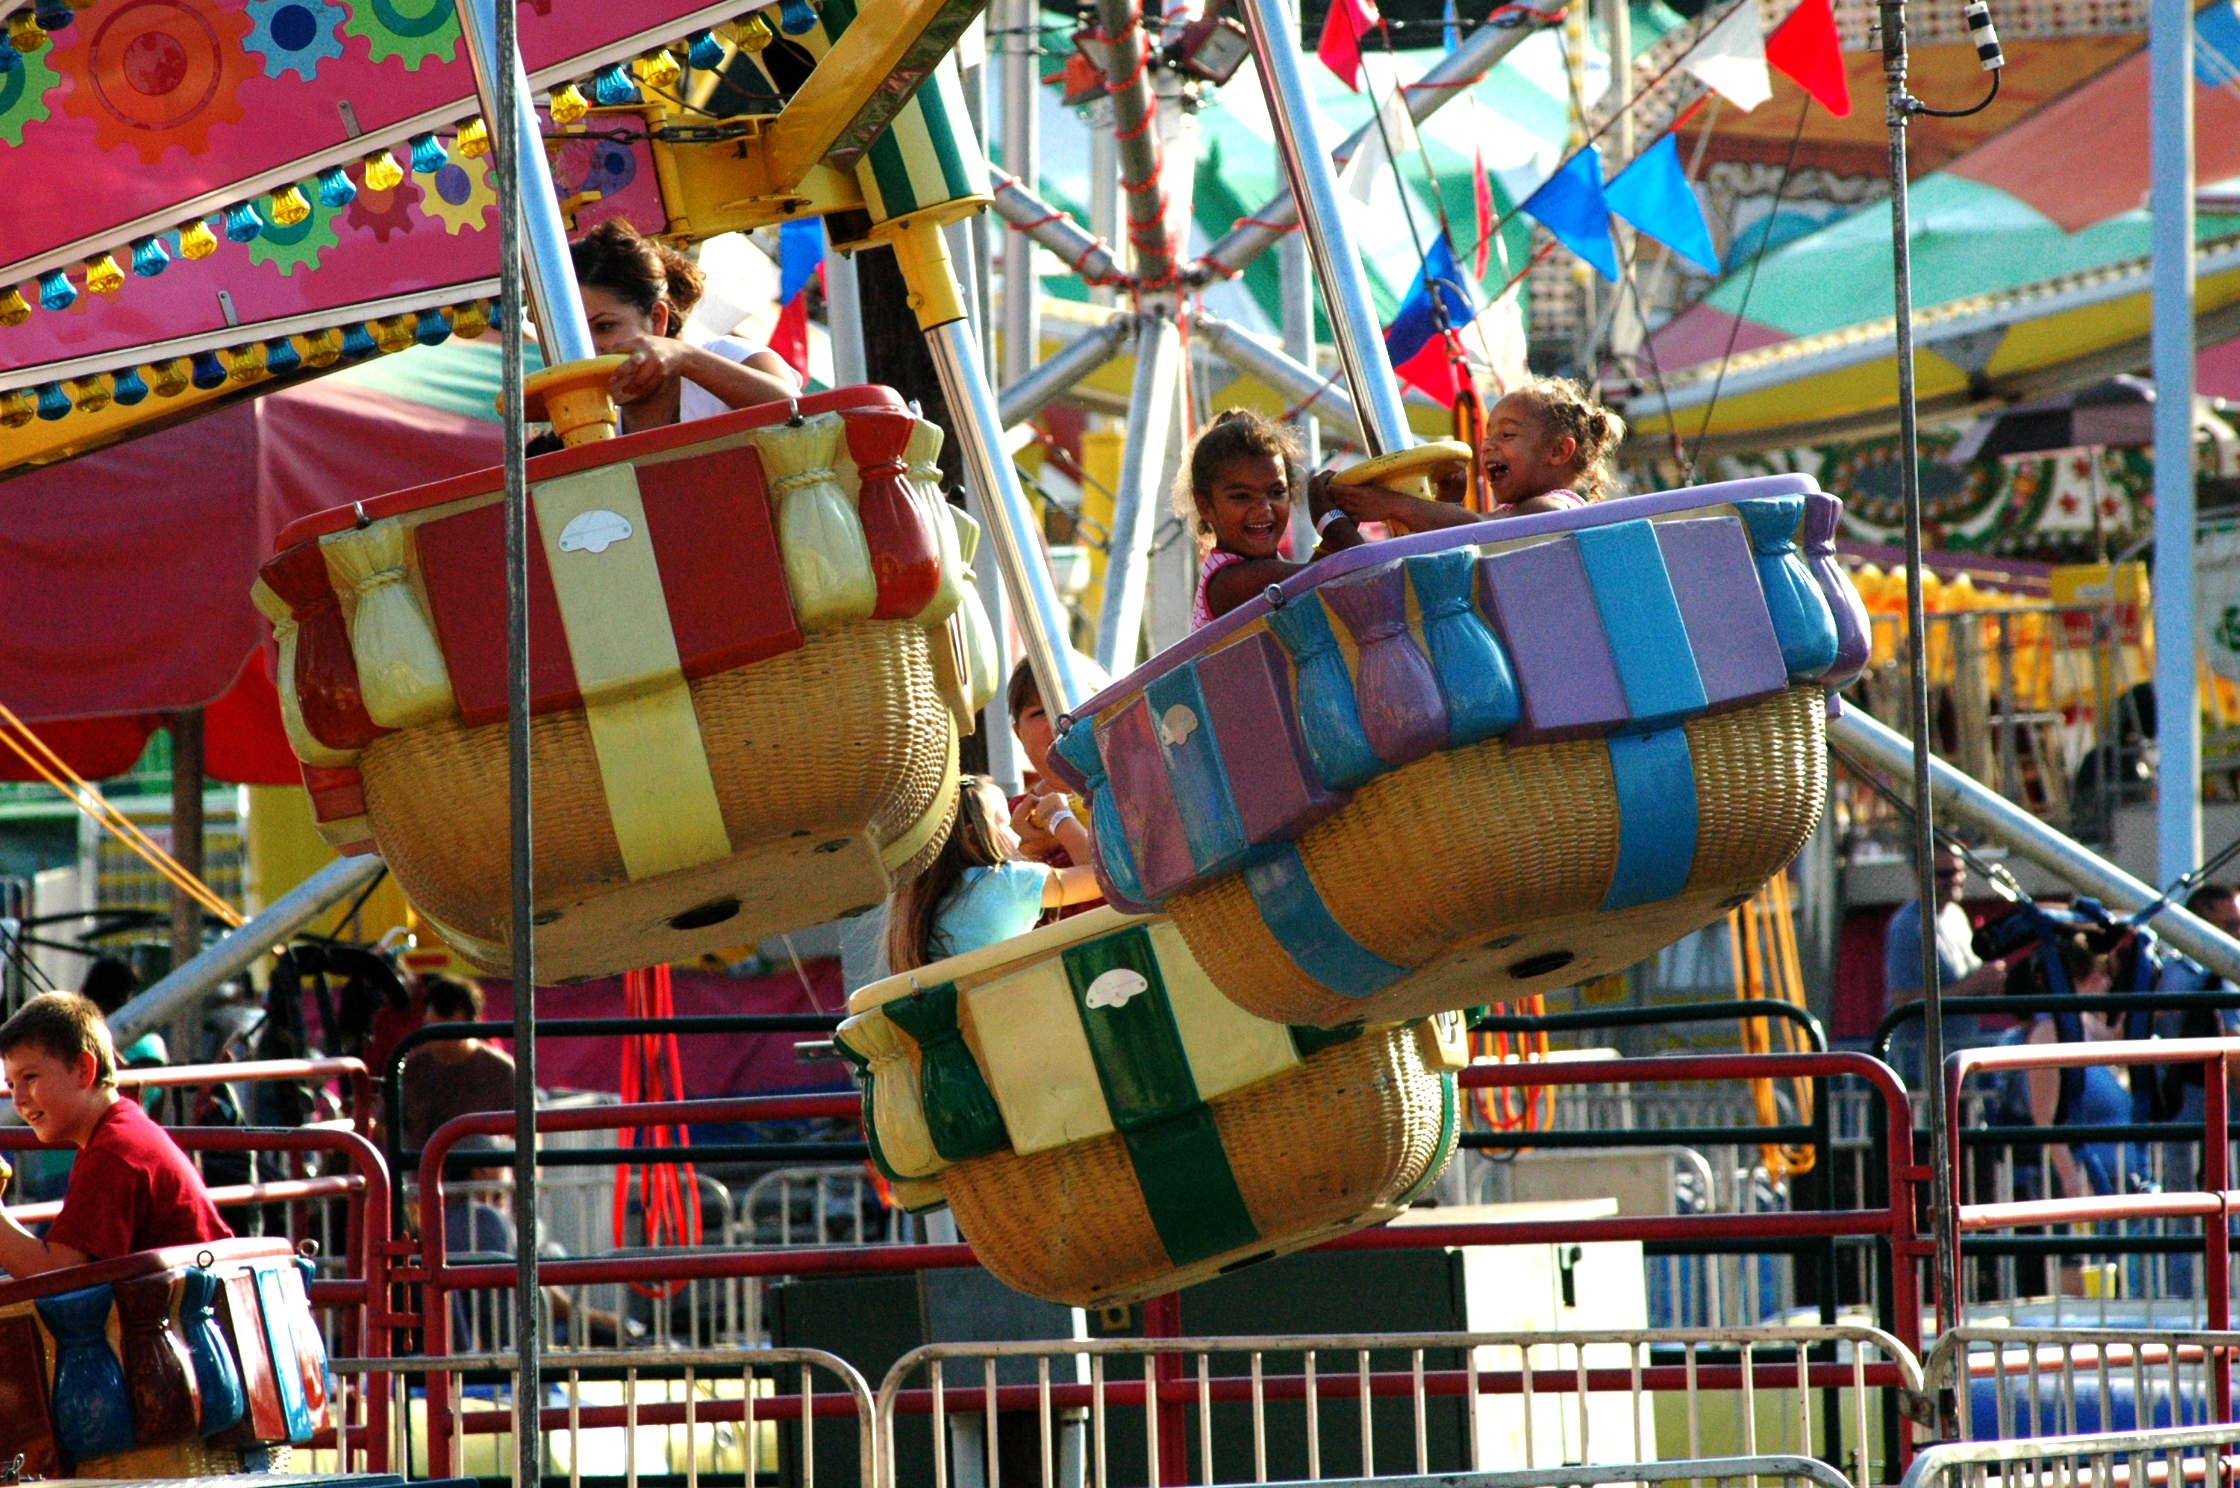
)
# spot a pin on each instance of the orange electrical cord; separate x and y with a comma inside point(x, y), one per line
point(1530, 1108)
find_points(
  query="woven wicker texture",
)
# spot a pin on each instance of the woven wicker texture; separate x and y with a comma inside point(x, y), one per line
point(815, 746)
point(186, 1459)
point(1477, 861)
point(1319, 1151)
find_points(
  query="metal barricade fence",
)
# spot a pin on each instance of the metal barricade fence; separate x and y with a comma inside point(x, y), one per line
point(2019, 1382)
point(678, 1416)
point(1476, 1402)
point(2113, 1459)
point(1752, 1471)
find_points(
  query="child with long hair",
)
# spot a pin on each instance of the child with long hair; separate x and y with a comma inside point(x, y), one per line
point(979, 890)
point(1236, 491)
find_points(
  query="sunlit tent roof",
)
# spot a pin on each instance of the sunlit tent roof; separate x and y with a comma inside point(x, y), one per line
point(2029, 276)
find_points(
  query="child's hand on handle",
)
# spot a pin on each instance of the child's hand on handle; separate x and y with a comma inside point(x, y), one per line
point(1035, 840)
point(1054, 814)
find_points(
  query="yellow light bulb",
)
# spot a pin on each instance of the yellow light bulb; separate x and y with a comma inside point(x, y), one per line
point(754, 33)
point(14, 308)
point(196, 240)
point(382, 171)
point(168, 378)
point(18, 408)
point(24, 32)
point(289, 207)
point(321, 348)
point(569, 105)
point(102, 274)
point(657, 69)
point(247, 362)
point(469, 320)
point(473, 140)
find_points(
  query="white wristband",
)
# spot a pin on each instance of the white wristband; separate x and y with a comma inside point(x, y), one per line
point(1322, 523)
point(1065, 815)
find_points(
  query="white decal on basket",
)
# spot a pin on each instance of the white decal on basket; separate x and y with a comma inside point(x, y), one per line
point(1115, 987)
point(1176, 725)
point(594, 531)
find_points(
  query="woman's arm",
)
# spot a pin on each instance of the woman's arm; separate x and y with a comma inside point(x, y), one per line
point(761, 378)
point(1376, 504)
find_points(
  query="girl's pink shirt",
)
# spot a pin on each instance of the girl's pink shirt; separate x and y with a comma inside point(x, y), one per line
point(1217, 560)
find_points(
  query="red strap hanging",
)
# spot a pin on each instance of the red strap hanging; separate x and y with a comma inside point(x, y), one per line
point(653, 1070)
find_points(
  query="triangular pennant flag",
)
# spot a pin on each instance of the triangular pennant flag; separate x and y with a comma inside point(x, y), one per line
point(1730, 59)
point(800, 252)
point(1342, 30)
point(1570, 205)
point(1497, 339)
point(1806, 47)
point(789, 338)
point(1393, 136)
point(1432, 370)
point(1418, 323)
point(1653, 194)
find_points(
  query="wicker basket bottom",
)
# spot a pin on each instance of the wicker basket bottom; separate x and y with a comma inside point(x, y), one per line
point(187, 1459)
point(1335, 1145)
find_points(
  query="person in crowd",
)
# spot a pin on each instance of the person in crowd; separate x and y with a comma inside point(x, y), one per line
point(1236, 491)
point(451, 1076)
point(111, 983)
point(636, 296)
point(1960, 971)
point(1037, 735)
point(2099, 1097)
point(131, 1188)
point(980, 890)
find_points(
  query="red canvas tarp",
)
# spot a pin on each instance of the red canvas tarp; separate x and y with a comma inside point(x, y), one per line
point(124, 575)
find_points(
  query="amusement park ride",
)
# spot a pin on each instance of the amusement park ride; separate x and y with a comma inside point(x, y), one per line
point(736, 656)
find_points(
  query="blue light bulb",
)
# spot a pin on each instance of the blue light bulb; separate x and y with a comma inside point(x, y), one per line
point(242, 222)
point(56, 292)
point(336, 189)
point(428, 155)
point(54, 403)
point(613, 86)
point(358, 342)
point(208, 372)
point(281, 356)
point(131, 388)
point(149, 257)
point(704, 51)
point(431, 329)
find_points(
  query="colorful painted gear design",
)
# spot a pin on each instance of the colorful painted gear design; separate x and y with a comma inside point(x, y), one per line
point(152, 74)
point(23, 95)
point(412, 29)
point(384, 212)
point(295, 35)
point(300, 244)
point(456, 196)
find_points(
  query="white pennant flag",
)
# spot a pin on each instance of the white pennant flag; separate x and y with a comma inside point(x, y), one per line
point(1358, 177)
point(1731, 59)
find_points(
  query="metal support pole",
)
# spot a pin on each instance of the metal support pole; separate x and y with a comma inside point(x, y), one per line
point(528, 217)
point(186, 831)
point(1295, 297)
point(562, 332)
point(1321, 398)
point(1450, 77)
point(1084, 354)
point(2000, 820)
point(1900, 107)
point(237, 952)
point(1087, 251)
point(1104, 208)
point(1022, 148)
point(1135, 503)
point(923, 257)
point(1337, 265)
point(843, 309)
point(1128, 84)
point(995, 720)
point(2170, 202)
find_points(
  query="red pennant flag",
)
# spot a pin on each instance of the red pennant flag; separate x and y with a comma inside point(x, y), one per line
point(1342, 29)
point(1806, 48)
point(1482, 185)
point(789, 338)
point(1433, 370)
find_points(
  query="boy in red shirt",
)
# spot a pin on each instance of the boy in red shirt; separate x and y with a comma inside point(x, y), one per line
point(131, 1187)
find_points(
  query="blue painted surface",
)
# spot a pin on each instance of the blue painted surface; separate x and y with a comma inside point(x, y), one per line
point(287, 1369)
point(1641, 616)
point(1801, 617)
point(1656, 788)
point(1292, 908)
point(1328, 716)
point(217, 1378)
point(1078, 746)
point(1194, 769)
point(2046, 1415)
point(1474, 674)
point(92, 1407)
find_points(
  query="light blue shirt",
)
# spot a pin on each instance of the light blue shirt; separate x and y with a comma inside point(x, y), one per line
point(988, 905)
point(1901, 947)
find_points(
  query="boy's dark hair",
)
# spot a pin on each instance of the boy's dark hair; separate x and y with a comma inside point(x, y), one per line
point(1238, 433)
point(110, 983)
point(448, 997)
point(638, 271)
point(1022, 690)
point(2205, 898)
point(65, 1025)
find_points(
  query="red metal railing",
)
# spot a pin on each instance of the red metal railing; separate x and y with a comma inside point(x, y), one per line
point(351, 1072)
point(1893, 1221)
point(2215, 1204)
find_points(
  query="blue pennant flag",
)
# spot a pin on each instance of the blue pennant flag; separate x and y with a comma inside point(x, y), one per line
point(800, 251)
point(1570, 205)
point(1653, 194)
point(1416, 324)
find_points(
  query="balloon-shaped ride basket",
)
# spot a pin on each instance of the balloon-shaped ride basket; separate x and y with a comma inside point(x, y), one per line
point(753, 644)
point(1477, 763)
point(1106, 1126)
